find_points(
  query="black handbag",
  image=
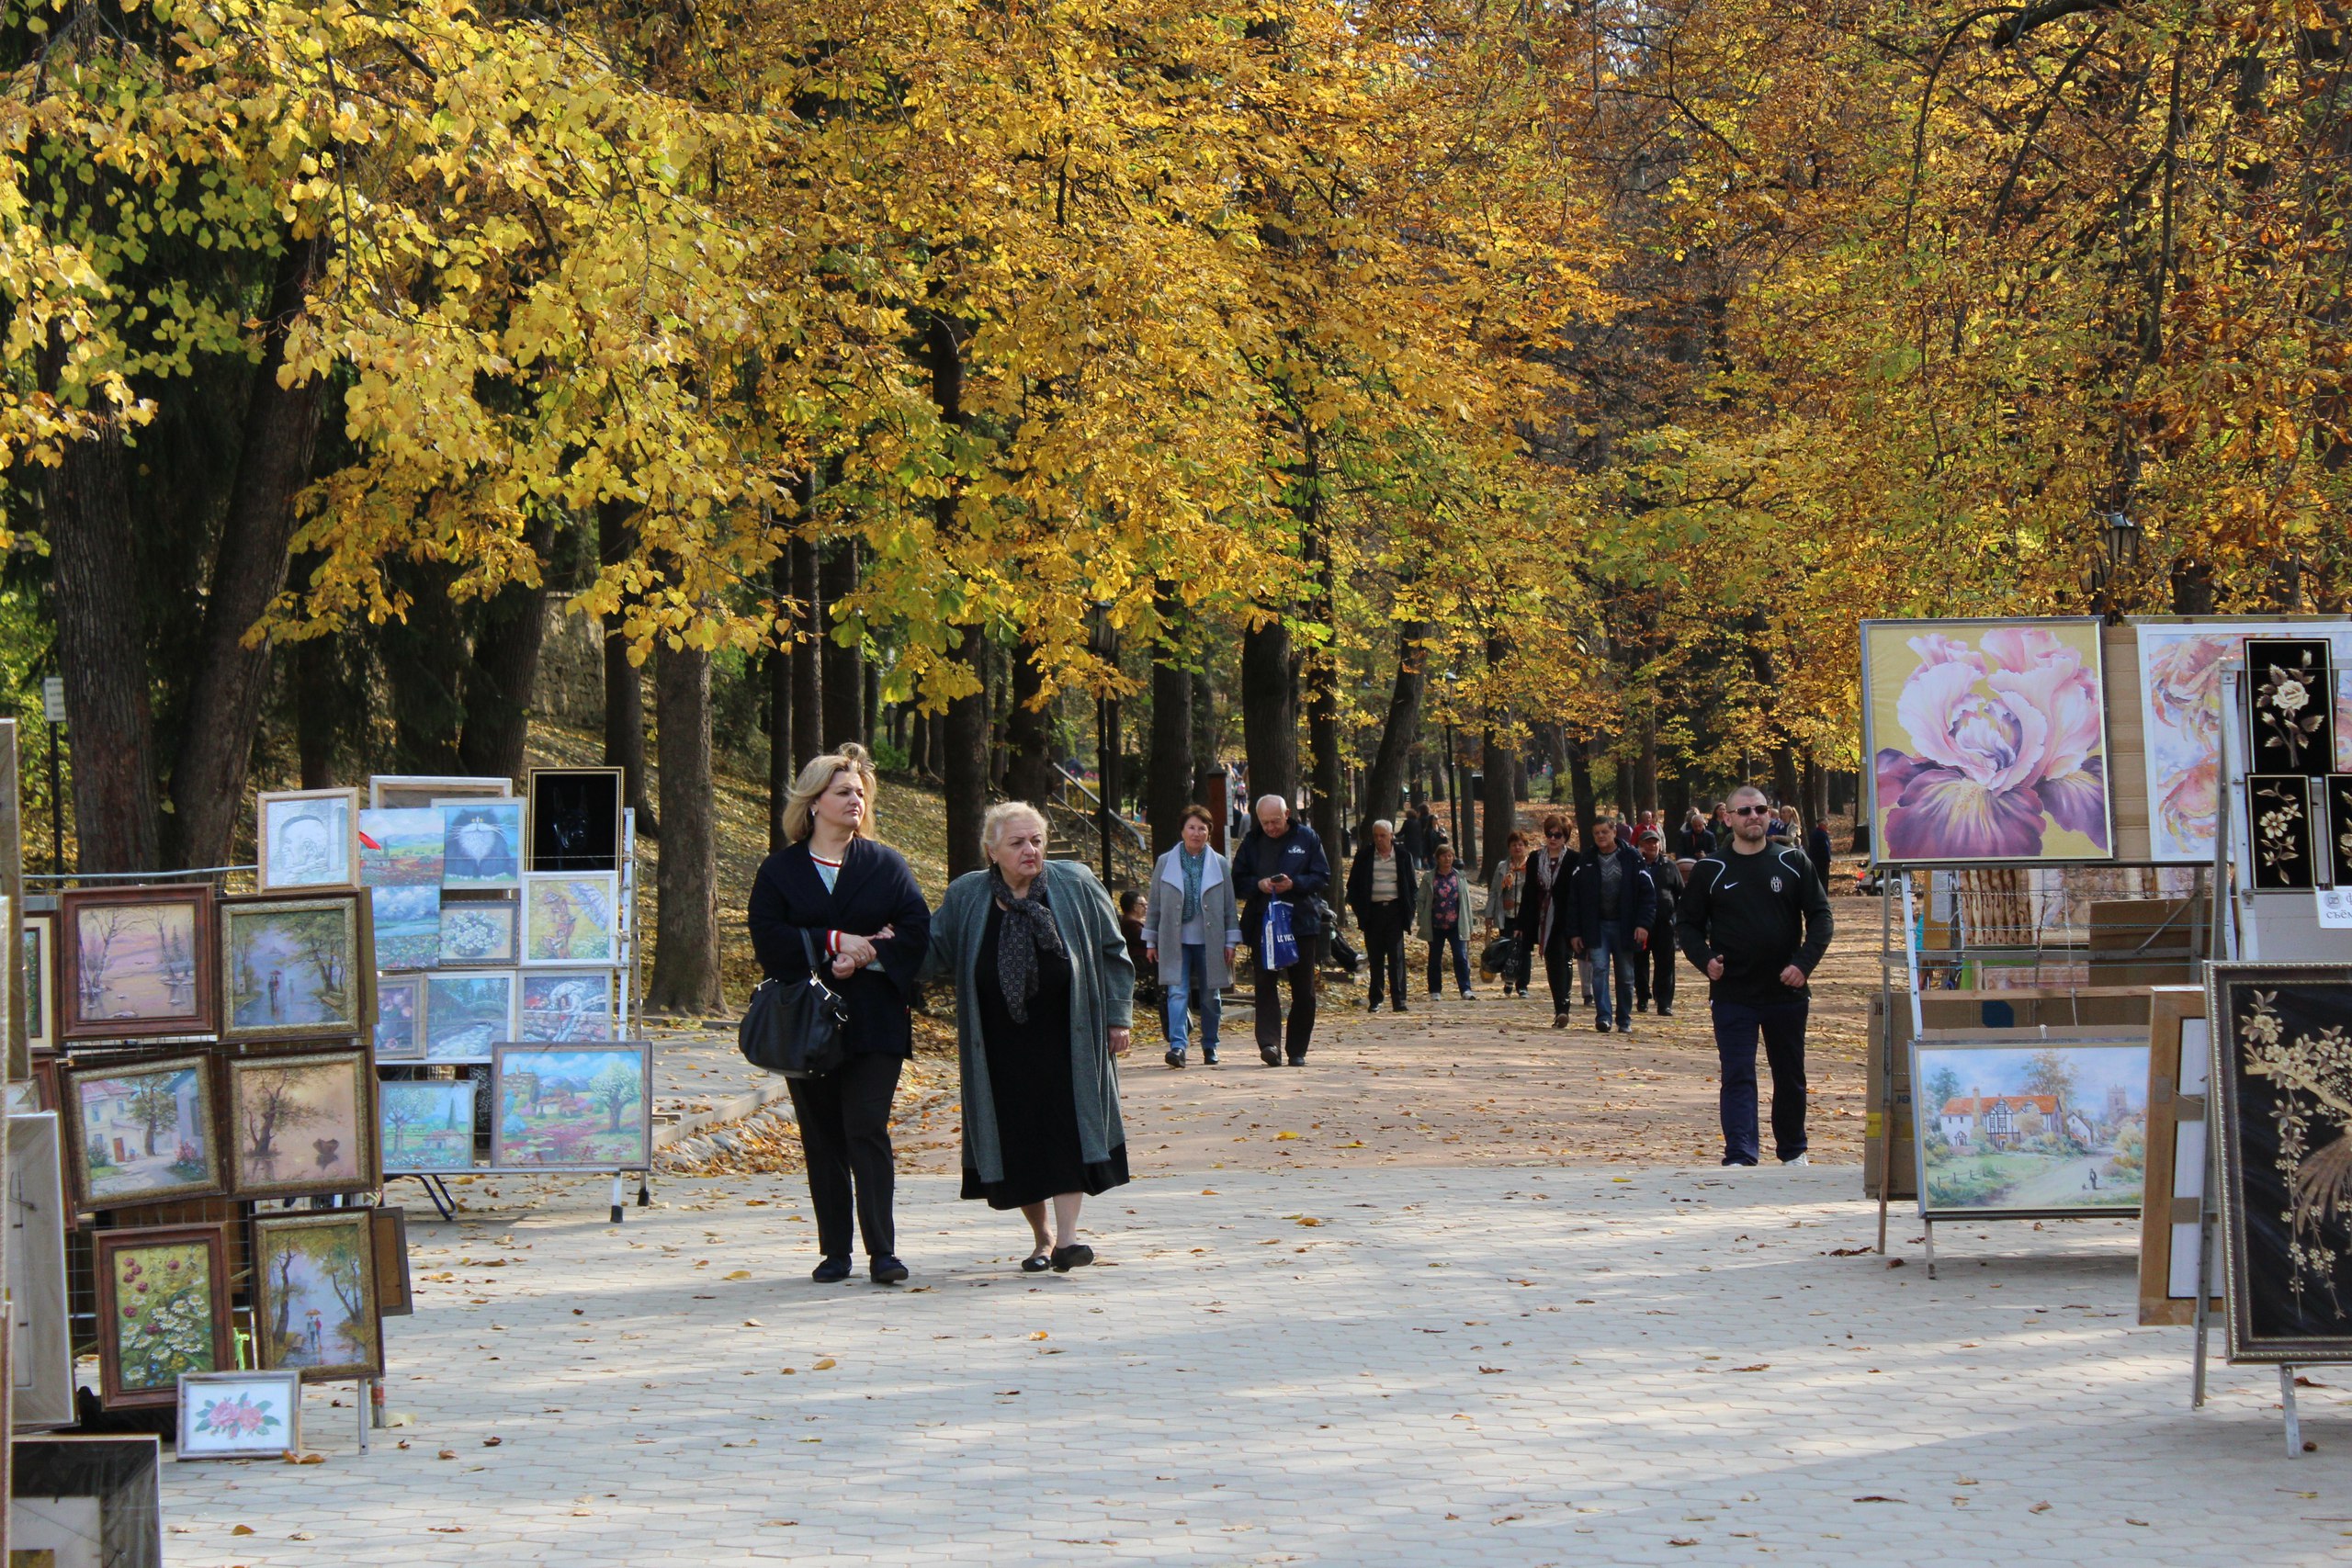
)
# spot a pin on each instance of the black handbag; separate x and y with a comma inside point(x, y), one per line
point(795, 1027)
point(1499, 955)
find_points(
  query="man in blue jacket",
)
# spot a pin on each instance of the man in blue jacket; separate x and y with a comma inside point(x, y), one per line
point(1281, 861)
point(1616, 904)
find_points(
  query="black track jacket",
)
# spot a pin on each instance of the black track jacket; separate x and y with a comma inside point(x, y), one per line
point(1760, 914)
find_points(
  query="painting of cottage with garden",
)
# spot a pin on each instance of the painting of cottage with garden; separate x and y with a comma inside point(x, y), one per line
point(2054, 1127)
point(571, 1107)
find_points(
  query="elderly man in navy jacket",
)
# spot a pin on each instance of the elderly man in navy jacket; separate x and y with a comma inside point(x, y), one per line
point(1616, 904)
point(1281, 861)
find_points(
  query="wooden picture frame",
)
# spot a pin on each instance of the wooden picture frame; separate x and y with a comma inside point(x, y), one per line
point(571, 1106)
point(394, 1297)
point(314, 1113)
point(315, 1304)
point(122, 945)
point(2284, 1239)
point(39, 936)
point(398, 1034)
point(574, 819)
point(296, 968)
point(114, 1109)
point(41, 1344)
point(150, 1330)
point(118, 1480)
point(405, 791)
point(307, 840)
point(2180, 1060)
point(239, 1415)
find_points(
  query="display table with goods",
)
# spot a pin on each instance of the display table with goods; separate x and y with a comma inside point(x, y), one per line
point(505, 951)
point(2058, 1042)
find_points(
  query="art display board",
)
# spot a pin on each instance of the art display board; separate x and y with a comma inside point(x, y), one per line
point(2180, 1056)
point(1985, 741)
point(2046, 1128)
point(2180, 665)
point(240, 1415)
point(2283, 1094)
point(40, 1350)
point(87, 1500)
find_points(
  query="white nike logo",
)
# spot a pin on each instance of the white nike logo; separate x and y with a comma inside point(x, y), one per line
point(1725, 886)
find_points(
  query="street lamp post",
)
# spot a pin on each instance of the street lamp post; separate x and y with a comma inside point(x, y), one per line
point(2122, 537)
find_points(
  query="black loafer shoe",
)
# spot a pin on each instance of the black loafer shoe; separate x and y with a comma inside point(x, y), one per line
point(1174, 1058)
point(1078, 1254)
point(886, 1270)
point(831, 1271)
point(1035, 1263)
point(1270, 1054)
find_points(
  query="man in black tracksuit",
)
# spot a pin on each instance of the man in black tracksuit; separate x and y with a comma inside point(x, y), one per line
point(1755, 918)
point(1654, 970)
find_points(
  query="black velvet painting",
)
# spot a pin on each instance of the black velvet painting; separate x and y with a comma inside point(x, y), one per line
point(2339, 818)
point(2287, 1158)
point(575, 818)
point(2290, 705)
point(2279, 811)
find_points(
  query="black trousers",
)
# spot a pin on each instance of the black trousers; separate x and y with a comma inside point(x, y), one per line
point(1302, 1006)
point(1560, 973)
point(1383, 943)
point(845, 1133)
point(1653, 972)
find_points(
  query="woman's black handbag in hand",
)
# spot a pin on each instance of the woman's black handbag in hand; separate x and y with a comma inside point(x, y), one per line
point(795, 1027)
point(1499, 955)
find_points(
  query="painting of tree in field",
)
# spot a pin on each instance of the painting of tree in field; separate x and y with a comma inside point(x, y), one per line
point(571, 1106)
point(314, 1296)
point(426, 1126)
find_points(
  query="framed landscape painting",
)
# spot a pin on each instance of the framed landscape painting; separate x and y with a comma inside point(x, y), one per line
point(467, 1014)
point(1987, 741)
point(139, 1131)
point(162, 1310)
point(575, 820)
point(561, 1004)
point(400, 848)
point(2030, 1130)
point(247, 1415)
point(315, 1295)
point(480, 931)
point(426, 1127)
point(482, 844)
point(571, 919)
point(407, 923)
point(39, 935)
point(571, 1106)
point(399, 1018)
point(136, 961)
point(308, 838)
point(302, 1123)
point(293, 967)
point(2284, 1083)
point(2180, 697)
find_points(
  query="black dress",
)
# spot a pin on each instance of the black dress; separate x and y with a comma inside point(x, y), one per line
point(1029, 1080)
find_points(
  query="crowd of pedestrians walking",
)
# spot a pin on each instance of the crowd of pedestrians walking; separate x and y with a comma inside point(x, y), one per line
point(1044, 970)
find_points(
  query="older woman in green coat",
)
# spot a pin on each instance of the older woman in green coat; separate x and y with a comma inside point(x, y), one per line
point(1043, 995)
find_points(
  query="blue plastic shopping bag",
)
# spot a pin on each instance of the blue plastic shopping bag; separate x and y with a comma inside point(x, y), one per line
point(1280, 948)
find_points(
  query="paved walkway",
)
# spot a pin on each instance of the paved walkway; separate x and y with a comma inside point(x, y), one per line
point(1410, 1365)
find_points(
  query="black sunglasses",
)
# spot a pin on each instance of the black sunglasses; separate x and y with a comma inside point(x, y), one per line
point(1751, 811)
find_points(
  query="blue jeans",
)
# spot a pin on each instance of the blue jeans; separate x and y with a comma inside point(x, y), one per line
point(1613, 954)
point(1782, 1025)
point(1441, 937)
point(1194, 982)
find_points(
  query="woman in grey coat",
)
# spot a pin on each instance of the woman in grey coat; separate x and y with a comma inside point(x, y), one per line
point(1192, 931)
point(1043, 995)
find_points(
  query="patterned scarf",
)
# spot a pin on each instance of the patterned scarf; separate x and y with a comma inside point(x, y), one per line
point(1029, 930)
point(1192, 866)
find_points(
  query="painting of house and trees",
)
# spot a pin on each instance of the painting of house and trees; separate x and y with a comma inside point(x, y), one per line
point(2054, 1127)
point(571, 1106)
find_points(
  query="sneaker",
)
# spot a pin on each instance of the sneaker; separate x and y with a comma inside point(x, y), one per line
point(1799, 1159)
point(1374, 1008)
point(1468, 995)
point(1624, 1029)
point(832, 1270)
point(1728, 1159)
point(886, 1270)
point(1174, 1058)
point(1641, 1007)
point(1666, 1013)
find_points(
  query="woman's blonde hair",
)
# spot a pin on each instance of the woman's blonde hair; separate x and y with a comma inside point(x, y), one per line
point(816, 779)
point(1004, 811)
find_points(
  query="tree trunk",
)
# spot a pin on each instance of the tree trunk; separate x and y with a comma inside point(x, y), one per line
point(505, 668)
point(102, 652)
point(425, 659)
point(1323, 675)
point(624, 690)
point(1270, 711)
point(869, 681)
point(318, 709)
point(963, 735)
point(1588, 808)
point(281, 426)
point(1204, 730)
point(1028, 739)
point(1169, 788)
point(1498, 796)
point(686, 947)
point(1384, 783)
point(808, 621)
point(1645, 765)
point(843, 675)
